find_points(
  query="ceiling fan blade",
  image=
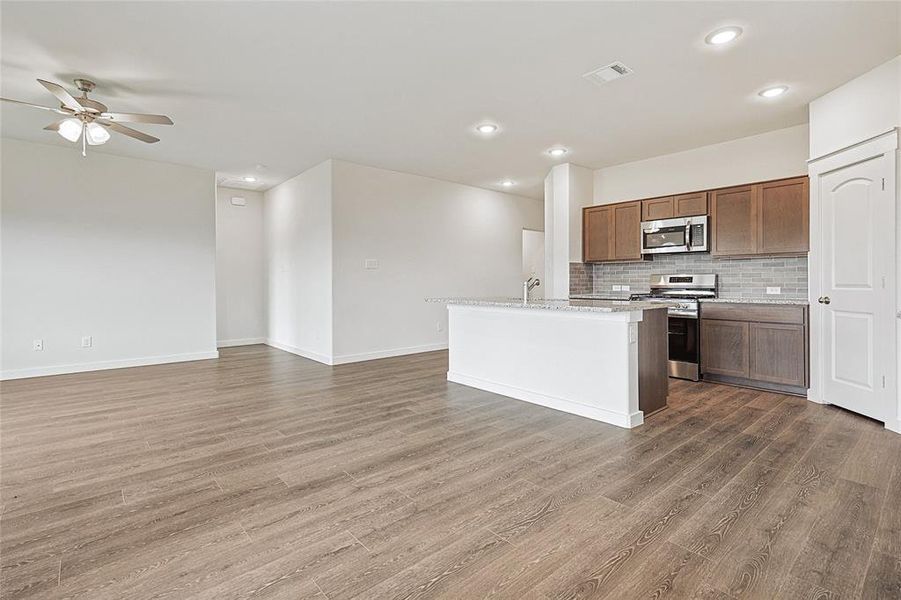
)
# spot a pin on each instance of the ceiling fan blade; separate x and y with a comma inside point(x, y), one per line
point(61, 93)
point(50, 108)
point(134, 133)
point(136, 118)
point(54, 126)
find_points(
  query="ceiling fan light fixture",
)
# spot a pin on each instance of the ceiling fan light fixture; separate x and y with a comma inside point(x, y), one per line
point(70, 129)
point(96, 134)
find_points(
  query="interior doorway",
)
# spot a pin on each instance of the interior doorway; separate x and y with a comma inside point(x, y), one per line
point(533, 258)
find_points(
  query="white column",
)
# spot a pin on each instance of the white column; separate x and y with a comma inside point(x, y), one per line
point(567, 188)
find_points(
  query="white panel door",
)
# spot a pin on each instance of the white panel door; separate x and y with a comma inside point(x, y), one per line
point(857, 233)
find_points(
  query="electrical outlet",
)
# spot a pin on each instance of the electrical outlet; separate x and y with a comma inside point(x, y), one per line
point(624, 288)
point(371, 264)
point(37, 345)
point(87, 341)
point(773, 290)
point(439, 326)
point(617, 288)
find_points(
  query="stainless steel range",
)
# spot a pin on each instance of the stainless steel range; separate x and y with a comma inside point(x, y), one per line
point(684, 346)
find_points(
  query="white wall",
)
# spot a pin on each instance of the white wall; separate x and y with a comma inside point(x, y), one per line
point(116, 248)
point(240, 269)
point(430, 238)
point(859, 110)
point(297, 216)
point(771, 155)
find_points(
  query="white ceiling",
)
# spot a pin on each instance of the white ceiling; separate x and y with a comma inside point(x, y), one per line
point(402, 85)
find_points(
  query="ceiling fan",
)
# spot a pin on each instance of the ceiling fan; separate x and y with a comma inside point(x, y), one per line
point(88, 119)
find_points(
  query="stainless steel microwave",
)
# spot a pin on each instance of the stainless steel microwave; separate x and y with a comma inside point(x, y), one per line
point(687, 234)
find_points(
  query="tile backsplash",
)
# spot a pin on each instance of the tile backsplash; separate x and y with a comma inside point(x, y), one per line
point(738, 277)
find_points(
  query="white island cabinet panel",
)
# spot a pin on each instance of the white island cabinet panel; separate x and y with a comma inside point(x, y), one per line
point(583, 362)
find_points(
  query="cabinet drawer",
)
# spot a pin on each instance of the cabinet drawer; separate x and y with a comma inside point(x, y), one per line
point(758, 313)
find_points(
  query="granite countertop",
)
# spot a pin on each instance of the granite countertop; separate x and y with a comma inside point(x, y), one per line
point(601, 306)
point(759, 300)
point(603, 296)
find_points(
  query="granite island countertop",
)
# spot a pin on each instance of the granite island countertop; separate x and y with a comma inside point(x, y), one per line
point(768, 300)
point(600, 306)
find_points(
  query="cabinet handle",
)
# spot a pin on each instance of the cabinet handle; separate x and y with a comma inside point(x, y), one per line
point(824, 300)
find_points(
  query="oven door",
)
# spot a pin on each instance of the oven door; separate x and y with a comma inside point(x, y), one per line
point(660, 237)
point(683, 347)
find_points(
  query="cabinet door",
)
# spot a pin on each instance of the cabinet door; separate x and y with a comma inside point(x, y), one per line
point(733, 216)
point(657, 208)
point(724, 348)
point(690, 205)
point(597, 233)
point(783, 216)
point(778, 353)
point(627, 231)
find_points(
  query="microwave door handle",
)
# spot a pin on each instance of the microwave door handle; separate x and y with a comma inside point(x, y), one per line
point(688, 236)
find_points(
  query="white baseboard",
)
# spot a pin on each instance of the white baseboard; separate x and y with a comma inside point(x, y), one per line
point(893, 425)
point(322, 358)
point(364, 356)
point(354, 358)
point(561, 404)
point(106, 364)
point(240, 342)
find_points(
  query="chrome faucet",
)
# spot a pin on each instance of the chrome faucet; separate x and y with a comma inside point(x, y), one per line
point(527, 286)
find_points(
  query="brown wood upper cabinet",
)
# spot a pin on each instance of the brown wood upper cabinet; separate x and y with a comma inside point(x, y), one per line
point(627, 231)
point(597, 233)
point(669, 207)
point(611, 232)
point(763, 218)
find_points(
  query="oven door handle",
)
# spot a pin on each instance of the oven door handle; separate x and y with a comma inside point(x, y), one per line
point(690, 314)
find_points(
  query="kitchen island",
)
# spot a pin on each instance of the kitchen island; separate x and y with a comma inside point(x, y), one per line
point(604, 360)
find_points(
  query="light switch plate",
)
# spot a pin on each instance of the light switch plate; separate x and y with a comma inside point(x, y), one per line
point(87, 341)
point(624, 288)
point(773, 290)
point(617, 288)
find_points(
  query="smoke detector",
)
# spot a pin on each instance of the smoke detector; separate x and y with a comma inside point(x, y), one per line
point(608, 73)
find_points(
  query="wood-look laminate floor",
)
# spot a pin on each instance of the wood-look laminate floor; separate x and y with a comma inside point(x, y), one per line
point(264, 475)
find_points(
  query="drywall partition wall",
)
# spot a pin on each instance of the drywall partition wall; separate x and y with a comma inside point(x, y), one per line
point(401, 238)
point(240, 268)
point(297, 217)
point(771, 155)
point(116, 249)
point(859, 110)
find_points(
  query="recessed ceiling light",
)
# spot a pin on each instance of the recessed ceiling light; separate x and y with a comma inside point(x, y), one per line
point(487, 128)
point(508, 183)
point(723, 36)
point(557, 151)
point(774, 91)
point(249, 178)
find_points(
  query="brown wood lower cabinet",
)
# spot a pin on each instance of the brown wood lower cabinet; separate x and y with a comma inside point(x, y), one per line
point(724, 347)
point(755, 345)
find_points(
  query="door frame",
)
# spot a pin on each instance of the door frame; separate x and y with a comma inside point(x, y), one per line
point(885, 145)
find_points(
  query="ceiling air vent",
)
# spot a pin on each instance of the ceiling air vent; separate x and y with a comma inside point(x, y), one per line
point(608, 73)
